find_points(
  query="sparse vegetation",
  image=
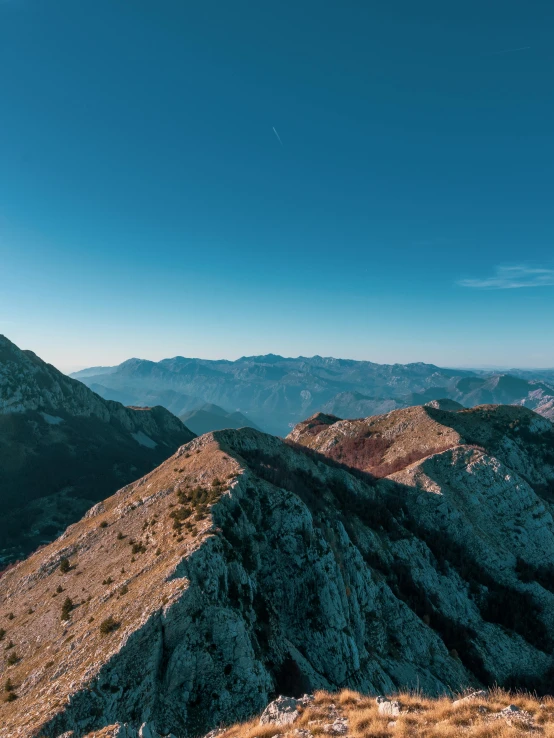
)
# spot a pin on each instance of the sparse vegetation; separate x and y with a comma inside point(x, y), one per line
point(65, 566)
point(109, 625)
point(12, 658)
point(104, 524)
point(67, 607)
point(420, 717)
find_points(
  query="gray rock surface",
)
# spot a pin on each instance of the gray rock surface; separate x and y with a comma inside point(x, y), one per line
point(388, 707)
point(310, 576)
point(282, 711)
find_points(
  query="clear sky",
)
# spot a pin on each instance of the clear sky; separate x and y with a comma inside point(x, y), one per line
point(362, 179)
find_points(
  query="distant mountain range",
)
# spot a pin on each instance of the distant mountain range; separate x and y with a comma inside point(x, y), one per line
point(211, 417)
point(275, 393)
point(64, 448)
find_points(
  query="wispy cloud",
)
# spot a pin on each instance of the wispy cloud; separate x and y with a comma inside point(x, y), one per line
point(513, 277)
point(278, 136)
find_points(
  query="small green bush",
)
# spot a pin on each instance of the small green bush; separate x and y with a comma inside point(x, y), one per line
point(12, 658)
point(109, 625)
point(65, 566)
point(2, 634)
point(67, 607)
point(10, 697)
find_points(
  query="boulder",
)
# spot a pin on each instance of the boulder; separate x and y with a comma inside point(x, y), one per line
point(282, 711)
point(388, 707)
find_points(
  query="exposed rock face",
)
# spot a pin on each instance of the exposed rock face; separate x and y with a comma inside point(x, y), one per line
point(62, 448)
point(258, 567)
point(282, 711)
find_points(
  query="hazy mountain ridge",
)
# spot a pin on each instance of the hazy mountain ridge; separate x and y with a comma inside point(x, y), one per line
point(277, 392)
point(247, 566)
point(62, 448)
point(209, 417)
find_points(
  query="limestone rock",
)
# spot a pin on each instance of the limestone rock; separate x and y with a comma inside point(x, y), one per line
point(282, 711)
point(388, 707)
point(481, 694)
point(338, 727)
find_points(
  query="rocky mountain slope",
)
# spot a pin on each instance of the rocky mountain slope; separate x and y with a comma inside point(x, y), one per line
point(62, 448)
point(276, 392)
point(247, 566)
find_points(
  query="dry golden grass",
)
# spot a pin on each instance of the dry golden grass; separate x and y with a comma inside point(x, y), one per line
point(421, 717)
point(121, 566)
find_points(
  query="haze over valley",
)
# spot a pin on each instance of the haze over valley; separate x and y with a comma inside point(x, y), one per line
point(275, 393)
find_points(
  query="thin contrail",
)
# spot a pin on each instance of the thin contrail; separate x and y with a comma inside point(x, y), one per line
point(278, 137)
point(507, 51)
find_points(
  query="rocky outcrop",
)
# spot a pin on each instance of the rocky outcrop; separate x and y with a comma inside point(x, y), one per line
point(62, 448)
point(246, 567)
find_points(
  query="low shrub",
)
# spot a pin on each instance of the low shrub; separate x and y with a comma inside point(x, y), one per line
point(109, 625)
point(67, 607)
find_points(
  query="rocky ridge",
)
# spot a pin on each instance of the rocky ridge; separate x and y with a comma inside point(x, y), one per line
point(62, 448)
point(246, 566)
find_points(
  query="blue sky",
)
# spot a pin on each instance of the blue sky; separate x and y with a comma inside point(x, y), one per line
point(147, 207)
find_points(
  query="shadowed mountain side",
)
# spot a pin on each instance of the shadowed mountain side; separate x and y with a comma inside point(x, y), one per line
point(62, 448)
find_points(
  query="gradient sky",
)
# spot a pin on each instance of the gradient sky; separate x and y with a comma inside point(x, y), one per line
point(147, 207)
